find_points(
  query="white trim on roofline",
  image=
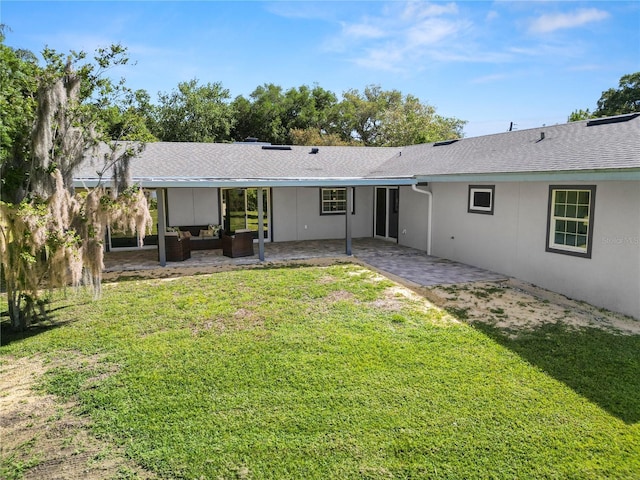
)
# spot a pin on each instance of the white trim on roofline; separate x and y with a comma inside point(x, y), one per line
point(186, 182)
point(553, 176)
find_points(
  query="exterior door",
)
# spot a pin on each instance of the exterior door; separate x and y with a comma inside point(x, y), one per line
point(240, 210)
point(387, 213)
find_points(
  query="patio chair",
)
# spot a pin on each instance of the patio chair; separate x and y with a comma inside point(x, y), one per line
point(240, 244)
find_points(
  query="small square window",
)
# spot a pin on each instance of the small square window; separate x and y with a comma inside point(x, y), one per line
point(481, 199)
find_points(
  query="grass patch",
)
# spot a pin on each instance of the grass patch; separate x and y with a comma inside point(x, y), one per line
point(299, 373)
point(596, 364)
point(12, 467)
point(461, 313)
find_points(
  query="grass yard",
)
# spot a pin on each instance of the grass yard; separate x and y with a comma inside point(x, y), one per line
point(331, 373)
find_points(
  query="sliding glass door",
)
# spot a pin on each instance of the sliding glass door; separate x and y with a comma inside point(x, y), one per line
point(240, 210)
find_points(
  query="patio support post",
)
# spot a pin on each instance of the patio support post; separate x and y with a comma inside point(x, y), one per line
point(260, 225)
point(347, 222)
point(162, 226)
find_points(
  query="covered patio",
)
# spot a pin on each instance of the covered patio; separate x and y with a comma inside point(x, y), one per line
point(404, 263)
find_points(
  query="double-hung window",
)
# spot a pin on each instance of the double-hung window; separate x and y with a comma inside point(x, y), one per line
point(334, 201)
point(570, 219)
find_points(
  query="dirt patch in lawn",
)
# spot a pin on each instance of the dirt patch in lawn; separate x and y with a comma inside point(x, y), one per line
point(173, 272)
point(516, 306)
point(43, 438)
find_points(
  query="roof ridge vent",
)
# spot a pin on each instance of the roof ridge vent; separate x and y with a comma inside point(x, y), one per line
point(276, 147)
point(445, 142)
point(616, 119)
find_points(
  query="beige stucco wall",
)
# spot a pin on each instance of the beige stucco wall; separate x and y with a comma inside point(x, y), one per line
point(296, 215)
point(513, 240)
point(413, 218)
point(295, 212)
point(192, 206)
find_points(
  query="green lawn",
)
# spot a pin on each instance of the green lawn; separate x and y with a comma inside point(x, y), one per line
point(321, 373)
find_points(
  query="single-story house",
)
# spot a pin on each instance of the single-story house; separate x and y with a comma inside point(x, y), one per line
point(556, 206)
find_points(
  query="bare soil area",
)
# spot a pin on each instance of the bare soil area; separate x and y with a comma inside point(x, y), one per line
point(516, 306)
point(42, 438)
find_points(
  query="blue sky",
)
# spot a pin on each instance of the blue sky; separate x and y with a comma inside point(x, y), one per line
point(490, 63)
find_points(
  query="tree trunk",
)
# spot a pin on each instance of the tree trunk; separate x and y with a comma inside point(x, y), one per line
point(19, 318)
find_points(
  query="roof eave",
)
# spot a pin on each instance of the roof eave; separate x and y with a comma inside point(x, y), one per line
point(547, 176)
point(189, 182)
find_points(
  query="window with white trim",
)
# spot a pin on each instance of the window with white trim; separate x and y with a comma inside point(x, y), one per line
point(334, 201)
point(570, 219)
point(481, 199)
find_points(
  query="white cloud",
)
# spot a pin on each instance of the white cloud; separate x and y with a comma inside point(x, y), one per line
point(431, 31)
point(363, 31)
point(488, 79)
point(387, 59)
point(419, 10)
point(586, 68)
point(492, 15)
point(557, 21)
point(548, 50)
point(300, 10)
point(400, 34)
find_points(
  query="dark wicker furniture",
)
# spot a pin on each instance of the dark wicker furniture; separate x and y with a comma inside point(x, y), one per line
point(239, 244)
point(177, 249)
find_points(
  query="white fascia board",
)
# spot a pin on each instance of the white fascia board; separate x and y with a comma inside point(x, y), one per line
point(248, 182)
point(559, 176)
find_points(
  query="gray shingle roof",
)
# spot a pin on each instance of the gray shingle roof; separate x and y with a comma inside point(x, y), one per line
point(247, 161)
point(566, 147)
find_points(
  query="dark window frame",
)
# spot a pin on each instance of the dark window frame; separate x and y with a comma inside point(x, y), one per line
point(553, 248)
point(471, 208)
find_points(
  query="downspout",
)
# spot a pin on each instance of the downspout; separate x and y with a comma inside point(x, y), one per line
point(429, 212)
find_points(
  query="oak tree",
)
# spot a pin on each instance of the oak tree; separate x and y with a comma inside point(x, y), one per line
point(51, 235)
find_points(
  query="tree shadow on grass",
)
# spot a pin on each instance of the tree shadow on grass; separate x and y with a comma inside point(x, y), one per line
point(8, 335)
point(601, 366)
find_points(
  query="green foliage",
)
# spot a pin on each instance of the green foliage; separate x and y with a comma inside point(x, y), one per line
point(379, 117)
point(624, 99)
point(18, 77)
point(204, 113)
point(194, 113)
point(126, 124)
point(57, 114)
point(306, 116)
point(578, 115)
point(303, 373)
point(316, 137)
point(264, 116)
